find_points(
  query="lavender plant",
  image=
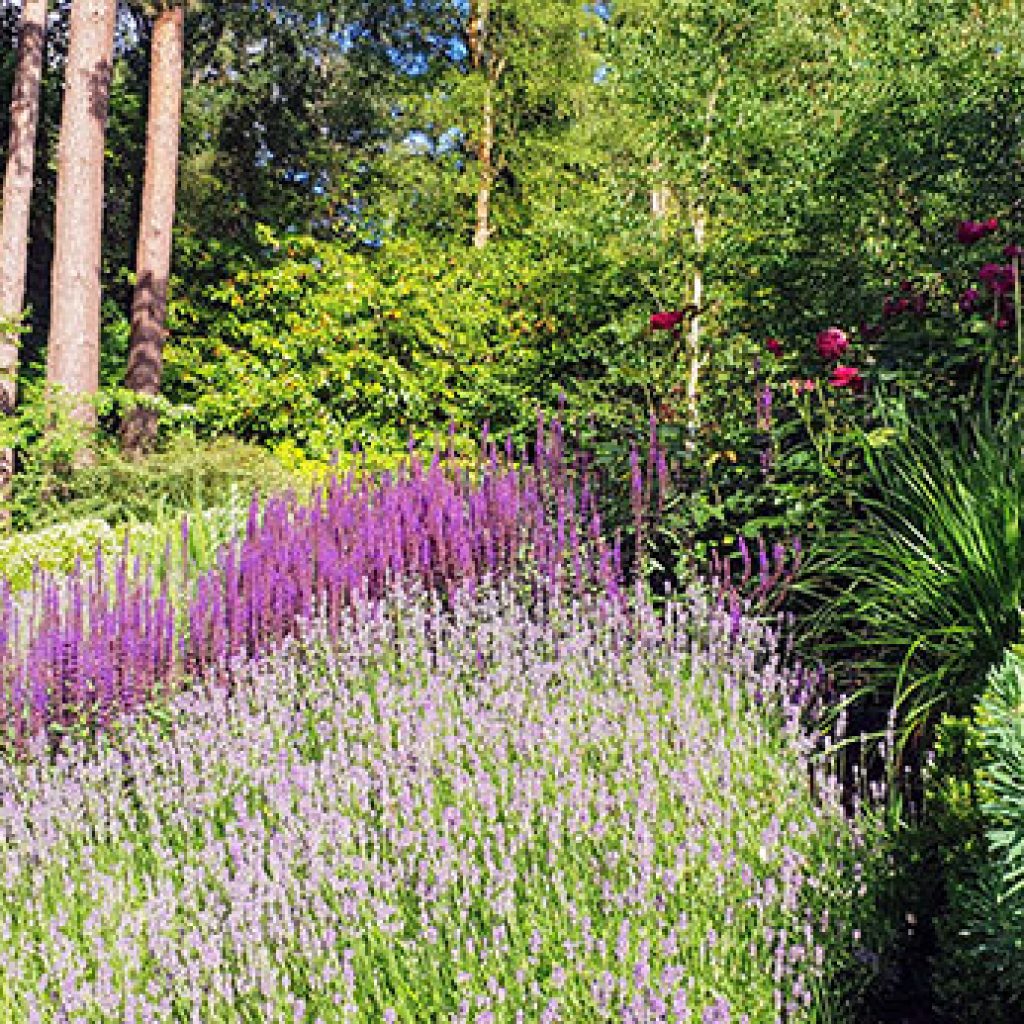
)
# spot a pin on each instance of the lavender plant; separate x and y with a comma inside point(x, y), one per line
point(458, 809)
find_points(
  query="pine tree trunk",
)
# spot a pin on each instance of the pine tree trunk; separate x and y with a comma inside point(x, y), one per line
point(73, 352)
point(14, 220)
point(153, 256)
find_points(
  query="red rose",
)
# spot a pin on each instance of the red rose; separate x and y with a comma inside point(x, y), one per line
point(667, 321)
point(970, 231)
point(832, 343)
point(774, 346)
point(847, 377)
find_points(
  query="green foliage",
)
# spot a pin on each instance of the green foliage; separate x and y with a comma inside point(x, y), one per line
point(53, 549)
point(922, 588)
point(327, 347)
point(186, 475)
point(978, 812)
point(67, 474)
point(1001, 714)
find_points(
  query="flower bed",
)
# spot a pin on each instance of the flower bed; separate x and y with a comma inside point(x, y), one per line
point(452, 810)
point(108, 639)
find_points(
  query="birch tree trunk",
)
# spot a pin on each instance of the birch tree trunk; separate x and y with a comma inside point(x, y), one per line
point(699, 219)
point(14, 220)
point(485, 157)
point(484, 64)
point(73, 352)
point(660, 192)
point(156, 222)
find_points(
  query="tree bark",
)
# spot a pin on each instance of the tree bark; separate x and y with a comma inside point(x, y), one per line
point(73, 351)
point(156, 222)
point(14, 220)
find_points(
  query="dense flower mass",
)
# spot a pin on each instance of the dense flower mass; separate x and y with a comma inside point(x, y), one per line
point(832, 343)
point(452, 810)
point(101, 643)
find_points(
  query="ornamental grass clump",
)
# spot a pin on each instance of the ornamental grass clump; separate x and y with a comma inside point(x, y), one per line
point(462, 809)
point(927, 586)
point(110, 638)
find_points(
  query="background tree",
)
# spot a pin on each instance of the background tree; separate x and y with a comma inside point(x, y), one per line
point(484, 134)
point(156, 220)
point(15, 215)
point(74, 343)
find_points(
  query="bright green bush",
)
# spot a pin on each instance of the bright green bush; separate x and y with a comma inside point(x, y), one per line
point(326, 348)
point(54, 549)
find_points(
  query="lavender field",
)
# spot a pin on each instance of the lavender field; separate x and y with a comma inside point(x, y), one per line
point(473, 814)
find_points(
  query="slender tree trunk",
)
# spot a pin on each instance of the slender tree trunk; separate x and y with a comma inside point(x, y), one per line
point(14, 220)
point(699, 219)
point(485, 65)
point(660, 192)
point(74, 344)
point(699, 224)
point(156, 221)
point(485, 159)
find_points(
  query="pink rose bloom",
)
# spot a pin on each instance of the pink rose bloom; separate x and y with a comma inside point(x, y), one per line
point(998, 277)
point(832, 343)
point(970, 231)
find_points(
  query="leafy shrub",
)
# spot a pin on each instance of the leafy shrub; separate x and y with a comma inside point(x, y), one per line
point(980, 801)
point(1001, 714)
point(326, 348)
point(186, 474)
point(57, 550)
